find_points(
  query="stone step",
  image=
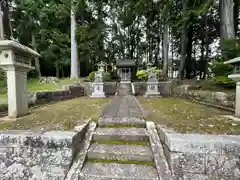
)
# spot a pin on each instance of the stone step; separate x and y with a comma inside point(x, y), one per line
point(121, 121)
point(121, 134)
point(120, 152)
point(114, 171)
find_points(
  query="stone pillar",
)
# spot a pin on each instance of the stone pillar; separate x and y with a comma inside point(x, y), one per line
point(17, 93)
point(237, 102)
point(15, 59)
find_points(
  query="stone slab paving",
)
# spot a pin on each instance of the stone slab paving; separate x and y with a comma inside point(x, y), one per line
point(121, 121)
point(121, 134)
point(120, 148)
point(123, 106)
point(114, 171)
point(120, 152)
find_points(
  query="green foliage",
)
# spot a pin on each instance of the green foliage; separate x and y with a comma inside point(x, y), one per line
point(91, 75)
point(2, 75)
point(230, 48)
point(106, 76)
point(221, 72)
point(143, 74)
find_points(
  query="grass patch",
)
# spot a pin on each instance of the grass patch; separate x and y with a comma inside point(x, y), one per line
point(188, 117)
point(61, 115)
point(121, 162)
point(33, 86)
point(139, 143)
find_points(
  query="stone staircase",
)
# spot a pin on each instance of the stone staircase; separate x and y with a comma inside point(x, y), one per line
point(120, 150)
point(124, 89)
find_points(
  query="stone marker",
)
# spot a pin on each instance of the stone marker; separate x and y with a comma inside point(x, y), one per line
point(15, 59)
point(152, 83)
point(236, 77)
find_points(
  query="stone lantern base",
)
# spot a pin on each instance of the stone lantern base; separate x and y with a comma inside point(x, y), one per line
point(98, 90)
point(152, 90)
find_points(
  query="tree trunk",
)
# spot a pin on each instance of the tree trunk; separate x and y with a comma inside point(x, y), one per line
point(189, 52)
point(6, 19)
point(63, 75)
point(75, 67)
point(1, 23)
point(202, 58)
point(227, 31)
point(183, 43)
point(165, 48)
point(57, 70)
point(37, 64)
point(236, 16)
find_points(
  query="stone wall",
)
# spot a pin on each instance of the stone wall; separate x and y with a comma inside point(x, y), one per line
point(201, 157)
point(165, 88)
point(215, 98)
point(26, 155)
point(67, 92)
point(109, 88)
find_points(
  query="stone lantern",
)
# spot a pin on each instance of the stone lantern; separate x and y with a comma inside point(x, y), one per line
point(236, 77)
point(98, 86)
point(15, 59)
point(152, 83)
point(101, 66)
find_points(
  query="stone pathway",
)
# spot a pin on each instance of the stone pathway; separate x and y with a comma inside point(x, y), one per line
point(123, 106)
point(120, 147)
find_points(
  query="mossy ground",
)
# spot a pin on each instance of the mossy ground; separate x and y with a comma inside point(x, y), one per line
point(61, 115)
point(137, 143)
point(188, 117)
point(121, 162)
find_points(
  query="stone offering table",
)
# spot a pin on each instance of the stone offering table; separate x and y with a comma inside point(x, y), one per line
point(15, 59)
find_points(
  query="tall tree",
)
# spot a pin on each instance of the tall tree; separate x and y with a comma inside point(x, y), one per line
point(75, 67)
point(227, 31)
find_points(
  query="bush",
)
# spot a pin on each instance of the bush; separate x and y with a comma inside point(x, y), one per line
point(91, 76)
point(221, 72)
point(143, 74)
point(106, 76)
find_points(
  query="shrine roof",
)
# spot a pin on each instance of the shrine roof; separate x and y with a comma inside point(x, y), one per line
point(125, 63)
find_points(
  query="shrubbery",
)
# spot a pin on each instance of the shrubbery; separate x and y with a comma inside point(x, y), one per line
point(143, 74)
point(221, 72)
point(106, 76)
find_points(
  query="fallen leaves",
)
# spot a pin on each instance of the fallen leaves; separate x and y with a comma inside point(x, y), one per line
point(188, 117)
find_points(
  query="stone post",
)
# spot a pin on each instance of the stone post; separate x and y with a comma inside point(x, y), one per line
point(15, 59)
point(236, 77)
point(237, 101)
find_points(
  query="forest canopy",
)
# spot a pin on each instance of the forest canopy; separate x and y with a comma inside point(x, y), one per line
point(197, 36)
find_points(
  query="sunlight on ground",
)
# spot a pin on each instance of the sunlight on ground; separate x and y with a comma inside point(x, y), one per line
point(187, 117)
point(62, 115)
point(34, 86)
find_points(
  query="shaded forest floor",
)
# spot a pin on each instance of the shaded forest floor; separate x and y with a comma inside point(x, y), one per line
point(62, 115)
point(187, 117)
